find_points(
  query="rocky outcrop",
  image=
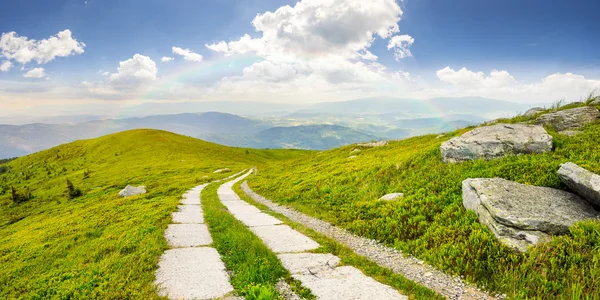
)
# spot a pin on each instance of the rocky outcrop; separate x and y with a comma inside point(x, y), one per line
point(373, 144)
point(581, 181)
point(129, 191)
point(522, 215)
point(533, 111)
point(224, 170)
point(490, 142)
point(392, 196)
point(569, 119)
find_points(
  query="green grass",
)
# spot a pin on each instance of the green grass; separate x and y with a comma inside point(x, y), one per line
point(253, 267)
point(348, 257)
point(99, 245)
point(430, 221)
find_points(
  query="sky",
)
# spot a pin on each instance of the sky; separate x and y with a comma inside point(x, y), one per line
point(85, 54)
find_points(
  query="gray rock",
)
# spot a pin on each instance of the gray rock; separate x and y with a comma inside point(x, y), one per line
point(570, 133)
point(581, 181)
point(352, 157)
point(373, 144)
point(521, 215)
point(496, 141)
point(596, 102)
point(392, 196)
point(129, 191)
point(533, 111)
point(224, 170)
point(569, 119)
point(356, 150)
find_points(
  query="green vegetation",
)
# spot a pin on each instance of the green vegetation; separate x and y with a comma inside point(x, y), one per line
point(253, 267)
point(99, 245)
point(348, 257)
point(430, 221)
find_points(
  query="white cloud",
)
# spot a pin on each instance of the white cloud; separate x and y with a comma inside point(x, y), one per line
point(400, 44)
point(133, 72)
point(467, 78)
point(166, 59)
point(187, 54)
point(314, 47)
point(5, 66)
point(35, 73)
point(24, 50)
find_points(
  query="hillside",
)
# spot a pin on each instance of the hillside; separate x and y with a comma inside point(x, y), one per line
point(25, 139)
point(99, 245)
point(314, 137)
point(431, 223)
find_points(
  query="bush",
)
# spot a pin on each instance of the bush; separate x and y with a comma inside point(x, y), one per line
point(19, 197)
point(72, 191)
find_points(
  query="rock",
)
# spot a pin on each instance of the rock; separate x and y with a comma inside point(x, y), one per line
point(224, 170)
point(569, 119)
point(132, 191)
point(496, 141)
point(373, 144)
point(392, 196)
point(533, 111)
point(352, 157)
point(581, 181)
point(596, 102)
point(356, 150)
point(521, 215)
point(570, 133)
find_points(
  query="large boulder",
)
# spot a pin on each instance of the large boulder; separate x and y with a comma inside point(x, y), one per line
point(533, 111)
point(581, 181)
point(522, 215)
point(129, 191)
point(490, 142)
point(569, 119)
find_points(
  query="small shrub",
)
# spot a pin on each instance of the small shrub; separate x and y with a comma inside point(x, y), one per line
point(72, 191)
point(19, 197)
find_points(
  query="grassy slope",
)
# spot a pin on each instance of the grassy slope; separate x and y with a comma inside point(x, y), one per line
point(431, 223)
point(101, 245)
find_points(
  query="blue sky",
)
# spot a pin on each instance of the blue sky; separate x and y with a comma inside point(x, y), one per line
point(531, 44)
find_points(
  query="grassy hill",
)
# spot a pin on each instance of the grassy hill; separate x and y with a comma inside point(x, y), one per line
point(100, 245)
point(430, 221)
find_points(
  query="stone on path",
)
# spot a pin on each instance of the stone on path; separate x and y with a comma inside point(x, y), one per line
point(187, 235)
point(533, 111)
point(392, 196)
point(188, 214)
point(129, 191)
point(496, 141)
point(569, 119)
point(522, 215)
point(583, 182)
point(192, 273)
point(284, 239)
point(320, 273)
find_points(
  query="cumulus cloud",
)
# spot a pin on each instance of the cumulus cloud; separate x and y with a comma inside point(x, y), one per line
point(468, 78)
point(166, 59)
point(133, 72)
point(315, 47)
point(400, 44)
point(35, 73)
point(24, 50)
point(5, 66)
point(187, 54)
point(502, 85)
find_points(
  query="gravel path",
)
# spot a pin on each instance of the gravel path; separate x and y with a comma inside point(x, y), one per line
point(318, 272)
point(407, 266)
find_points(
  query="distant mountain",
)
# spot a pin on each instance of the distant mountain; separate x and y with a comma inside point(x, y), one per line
point(24, 139)
point(317, 137)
